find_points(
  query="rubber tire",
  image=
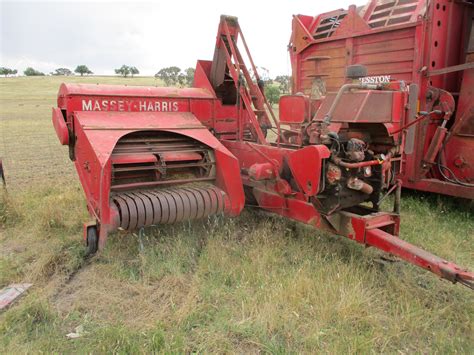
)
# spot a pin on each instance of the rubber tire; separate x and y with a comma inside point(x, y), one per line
point(92, 241)
point(356, 71)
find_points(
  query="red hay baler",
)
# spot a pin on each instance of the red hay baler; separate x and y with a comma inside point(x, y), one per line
point(427, 44)
point(148, 155)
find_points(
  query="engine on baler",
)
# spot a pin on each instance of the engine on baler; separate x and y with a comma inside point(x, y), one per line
point(354, 174)
point(356, 124)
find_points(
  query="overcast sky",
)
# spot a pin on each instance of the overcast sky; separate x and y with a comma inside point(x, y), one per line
point(147, 34)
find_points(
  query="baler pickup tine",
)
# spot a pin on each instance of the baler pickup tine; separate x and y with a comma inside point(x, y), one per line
point(419, 257)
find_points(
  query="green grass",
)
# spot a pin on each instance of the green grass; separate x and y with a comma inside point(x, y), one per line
point(255, 283)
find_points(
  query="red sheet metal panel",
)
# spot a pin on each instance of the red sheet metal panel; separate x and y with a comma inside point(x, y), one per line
point(362, 106)
point(130, 121)
point(133, 158)
point(132, 91)
point(293, 109)
point(308, 179)
point(387, 53)
point(382, 53)
point(331, 70)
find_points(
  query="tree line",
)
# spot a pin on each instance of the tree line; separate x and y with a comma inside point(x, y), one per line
point(171, 76)
point(80, 69)
point(274, 88)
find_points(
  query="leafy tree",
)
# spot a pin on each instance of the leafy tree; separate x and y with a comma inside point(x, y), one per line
point(272, 92)
point(174, 76)
point(32, 72)
point(62, 71)
point(7, 71)
point(124, 70)
point(134, 71)
point(83, 69)
point(169, 75)
point(189, 76)
point(182, 79)
point(284, 81)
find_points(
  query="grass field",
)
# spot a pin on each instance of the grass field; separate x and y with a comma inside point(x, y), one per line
point(251, 284)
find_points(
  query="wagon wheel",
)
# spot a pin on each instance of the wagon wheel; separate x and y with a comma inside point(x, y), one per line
point(92, 241)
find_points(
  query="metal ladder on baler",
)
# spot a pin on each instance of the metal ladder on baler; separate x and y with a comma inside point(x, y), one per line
point(253, 99)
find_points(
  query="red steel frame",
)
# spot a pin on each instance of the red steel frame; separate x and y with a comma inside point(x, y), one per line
point(92, 118)
point(427, 43)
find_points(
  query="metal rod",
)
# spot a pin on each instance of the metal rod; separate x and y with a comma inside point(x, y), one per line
point(153, 167)
point(398, 196)
point(386, 195)
point(417, 256)
point(451, 69)
point(361, 164)
point(158, 183)
point(270, 109)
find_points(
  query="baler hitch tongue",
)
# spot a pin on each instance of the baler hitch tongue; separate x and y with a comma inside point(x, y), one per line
point(454, 273)
point(419, 257)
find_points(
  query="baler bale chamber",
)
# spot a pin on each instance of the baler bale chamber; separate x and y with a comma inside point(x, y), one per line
point(144, 157)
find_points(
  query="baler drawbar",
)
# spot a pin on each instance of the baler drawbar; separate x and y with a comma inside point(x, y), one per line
point(150, 155)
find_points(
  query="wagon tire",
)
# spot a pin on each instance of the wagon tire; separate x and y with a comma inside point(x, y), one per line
point(92, 241)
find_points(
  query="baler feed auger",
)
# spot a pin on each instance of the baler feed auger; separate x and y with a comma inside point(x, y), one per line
point(148, 156)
